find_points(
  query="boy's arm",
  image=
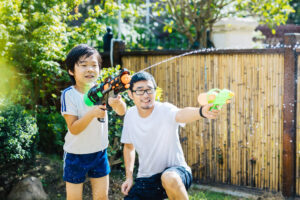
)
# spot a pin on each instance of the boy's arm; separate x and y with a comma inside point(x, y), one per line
point(129, 157)
point(76, 125)
point(118, 105)
point(190, 114)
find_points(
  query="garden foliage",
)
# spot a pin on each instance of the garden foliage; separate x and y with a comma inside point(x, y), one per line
point(52, 130)
point(18, 137)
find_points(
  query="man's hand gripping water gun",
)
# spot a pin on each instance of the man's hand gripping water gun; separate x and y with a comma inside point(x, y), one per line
point(216, 97)
point(112, 86)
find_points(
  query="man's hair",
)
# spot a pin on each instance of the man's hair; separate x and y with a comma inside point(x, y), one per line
point(81, 50)
point(141, 76)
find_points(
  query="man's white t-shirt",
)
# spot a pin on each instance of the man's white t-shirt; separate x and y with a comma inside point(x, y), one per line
point(155, 139)
point(94, 137)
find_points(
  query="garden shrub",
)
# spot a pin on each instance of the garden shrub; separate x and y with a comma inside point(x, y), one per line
point(18, 134)
point(52, 129)
point(18, 139)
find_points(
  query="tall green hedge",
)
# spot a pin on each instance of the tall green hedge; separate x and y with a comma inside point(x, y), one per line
point(18, 142)
point(52, 130)
point(18, 134)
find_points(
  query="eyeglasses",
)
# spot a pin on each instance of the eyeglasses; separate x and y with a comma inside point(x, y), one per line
point(142, 92)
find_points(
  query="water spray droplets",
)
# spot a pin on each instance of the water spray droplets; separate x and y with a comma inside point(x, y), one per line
point(204, 50)
point(280, 46)
point(297, 45)
point(209, 50)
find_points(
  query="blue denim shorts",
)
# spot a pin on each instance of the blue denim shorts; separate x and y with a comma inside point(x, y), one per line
point(151, 188)
point(78, 166)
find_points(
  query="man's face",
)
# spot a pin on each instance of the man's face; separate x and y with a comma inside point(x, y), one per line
point(143, 94)
point(86, 70)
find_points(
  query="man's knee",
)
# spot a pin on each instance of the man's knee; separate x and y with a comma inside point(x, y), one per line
point(171, 180)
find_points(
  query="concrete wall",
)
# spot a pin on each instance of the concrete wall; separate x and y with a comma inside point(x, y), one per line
point(233, 33)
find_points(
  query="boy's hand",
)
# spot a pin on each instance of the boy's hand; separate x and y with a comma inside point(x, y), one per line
point(99, 111)
point(213, 114)
point(126, 186)
point(114, 102)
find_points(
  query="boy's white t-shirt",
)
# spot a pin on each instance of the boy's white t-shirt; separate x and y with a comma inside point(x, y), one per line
point(94, 137)
point(155, 139)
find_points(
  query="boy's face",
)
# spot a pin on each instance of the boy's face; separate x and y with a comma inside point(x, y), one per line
point(143, 95)
point(86, 70)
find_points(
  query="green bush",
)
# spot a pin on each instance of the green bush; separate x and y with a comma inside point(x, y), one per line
point(18, 138)
point(52, 129)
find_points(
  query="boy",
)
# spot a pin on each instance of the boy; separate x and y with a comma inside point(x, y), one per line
point(87, 138)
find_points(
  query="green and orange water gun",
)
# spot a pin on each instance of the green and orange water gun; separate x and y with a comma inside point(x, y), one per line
point(216, 97)
point(111, 86)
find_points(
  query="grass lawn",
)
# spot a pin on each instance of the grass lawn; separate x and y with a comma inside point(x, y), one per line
point(195, 194)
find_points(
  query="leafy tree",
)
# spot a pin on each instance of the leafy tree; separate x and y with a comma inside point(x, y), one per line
point(35, 42)
point(294, 17)
point(132, 18)
point(35, 37)
point(193, 18)
point(270, 12)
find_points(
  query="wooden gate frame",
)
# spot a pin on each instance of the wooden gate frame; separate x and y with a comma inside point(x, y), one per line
point(289, 115)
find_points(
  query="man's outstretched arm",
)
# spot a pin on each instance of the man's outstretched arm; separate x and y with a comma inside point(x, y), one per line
point(190, 114)
point(129, 158)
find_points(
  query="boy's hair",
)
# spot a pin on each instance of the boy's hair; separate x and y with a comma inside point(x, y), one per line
point(81, 50)
point(141, 76)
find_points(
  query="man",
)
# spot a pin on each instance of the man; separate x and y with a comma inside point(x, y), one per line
point(151, 129)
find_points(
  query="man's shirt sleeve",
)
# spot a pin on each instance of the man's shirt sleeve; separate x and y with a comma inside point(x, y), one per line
point(172, 111)
point(125, 138)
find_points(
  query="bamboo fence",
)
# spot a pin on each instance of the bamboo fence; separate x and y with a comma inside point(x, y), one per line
point(244, 145)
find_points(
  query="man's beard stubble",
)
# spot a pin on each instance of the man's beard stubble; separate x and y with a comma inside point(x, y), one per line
point(146, 107)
